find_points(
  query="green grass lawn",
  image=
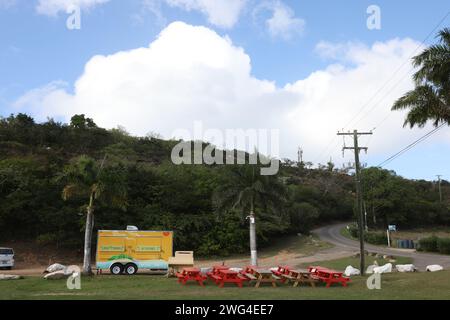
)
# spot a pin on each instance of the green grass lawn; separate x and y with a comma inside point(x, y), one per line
point(394, 286)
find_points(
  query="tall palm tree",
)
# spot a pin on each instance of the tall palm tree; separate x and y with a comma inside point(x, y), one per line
point(246, 189)
point(84, 178)
point(430, 100)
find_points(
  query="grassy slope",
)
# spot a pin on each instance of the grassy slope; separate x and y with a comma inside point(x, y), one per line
point(301, 245)
point(413, 234)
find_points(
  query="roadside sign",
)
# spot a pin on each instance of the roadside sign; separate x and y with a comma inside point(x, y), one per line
point(392, 227)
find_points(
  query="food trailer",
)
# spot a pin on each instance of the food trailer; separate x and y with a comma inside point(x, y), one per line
point(127, 251)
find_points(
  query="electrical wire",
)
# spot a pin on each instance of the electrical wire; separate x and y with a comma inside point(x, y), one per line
point(410, 146)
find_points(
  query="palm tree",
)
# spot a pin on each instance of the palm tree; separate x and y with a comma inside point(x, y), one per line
point(430, 100)
point(84, 178)
point(246, 189)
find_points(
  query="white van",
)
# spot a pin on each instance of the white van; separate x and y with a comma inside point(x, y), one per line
point(6, 258)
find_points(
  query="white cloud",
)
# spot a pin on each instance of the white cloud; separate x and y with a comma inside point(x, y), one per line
point(222, 13)
point(282, 22)
point(53, 7)
point(191, 73)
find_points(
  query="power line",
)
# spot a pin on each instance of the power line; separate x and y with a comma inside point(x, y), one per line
point(382, 87)
point(410, 146)
point(393, 75)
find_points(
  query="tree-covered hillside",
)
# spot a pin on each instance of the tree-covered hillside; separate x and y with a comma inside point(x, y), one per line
point(35, 159)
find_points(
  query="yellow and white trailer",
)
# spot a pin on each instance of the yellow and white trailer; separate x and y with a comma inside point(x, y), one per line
point(127, 251)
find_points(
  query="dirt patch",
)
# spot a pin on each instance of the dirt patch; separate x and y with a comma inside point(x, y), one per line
point(31, 255)
point(282, 258)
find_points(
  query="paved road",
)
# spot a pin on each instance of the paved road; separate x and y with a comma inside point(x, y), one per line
point(332, 234)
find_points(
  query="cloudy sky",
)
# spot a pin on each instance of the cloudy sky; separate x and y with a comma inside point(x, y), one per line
point(307, 68)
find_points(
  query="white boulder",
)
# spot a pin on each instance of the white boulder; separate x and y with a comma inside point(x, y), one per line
point(55, 267)
point(434, 268)
point(406, 268)
point(61, 274)
point(370, 268)
point(387, 268)
point(350, 271)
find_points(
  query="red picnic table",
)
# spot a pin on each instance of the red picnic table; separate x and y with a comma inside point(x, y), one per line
point(329, 276)
point(214, 274)
point(229, 276)
point(249, 273)
point(192, 274)
point(282, 270)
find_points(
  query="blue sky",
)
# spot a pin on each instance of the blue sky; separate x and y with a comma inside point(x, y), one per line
point(38, 51)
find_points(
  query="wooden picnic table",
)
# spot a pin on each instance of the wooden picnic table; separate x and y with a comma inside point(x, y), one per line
point(299, 276)
point(281, 270)
point(190, 274)
point(329, 276)
point(249, 273)
point(229, 276)
point(265, 276)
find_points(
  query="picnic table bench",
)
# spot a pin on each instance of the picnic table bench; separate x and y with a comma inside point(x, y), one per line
point(190, 274)
point(214, 274)
point(228, 276)
point(249, 273)
point(265, 276)
point(282, 270)
point(300, 276)
point(329, 276)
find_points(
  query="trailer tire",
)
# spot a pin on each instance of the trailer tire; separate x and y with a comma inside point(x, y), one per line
point(130, 269)
point(116, 268)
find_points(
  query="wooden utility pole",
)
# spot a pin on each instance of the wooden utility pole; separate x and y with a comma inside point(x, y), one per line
point(300, 155)
point(440, 190)
point(359, 201)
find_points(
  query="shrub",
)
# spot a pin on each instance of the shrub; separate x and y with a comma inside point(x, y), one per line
point(353, 230)
point(375, 237)
point(428, 244)
point(443, 245)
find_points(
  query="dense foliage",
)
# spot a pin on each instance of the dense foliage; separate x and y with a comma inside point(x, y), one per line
point(160, 195)
point(430, 99)
point(435, 244)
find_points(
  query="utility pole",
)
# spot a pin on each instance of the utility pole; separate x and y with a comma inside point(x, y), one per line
point(360, 213)
point(440, 190)
point(300, 155)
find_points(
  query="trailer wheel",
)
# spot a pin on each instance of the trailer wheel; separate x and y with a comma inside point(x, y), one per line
point(116, 269)
point(131, 269)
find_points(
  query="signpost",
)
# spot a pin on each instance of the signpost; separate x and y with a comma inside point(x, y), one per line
point(391, 227)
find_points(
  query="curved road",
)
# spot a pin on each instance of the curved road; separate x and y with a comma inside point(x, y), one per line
point(332, 234)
